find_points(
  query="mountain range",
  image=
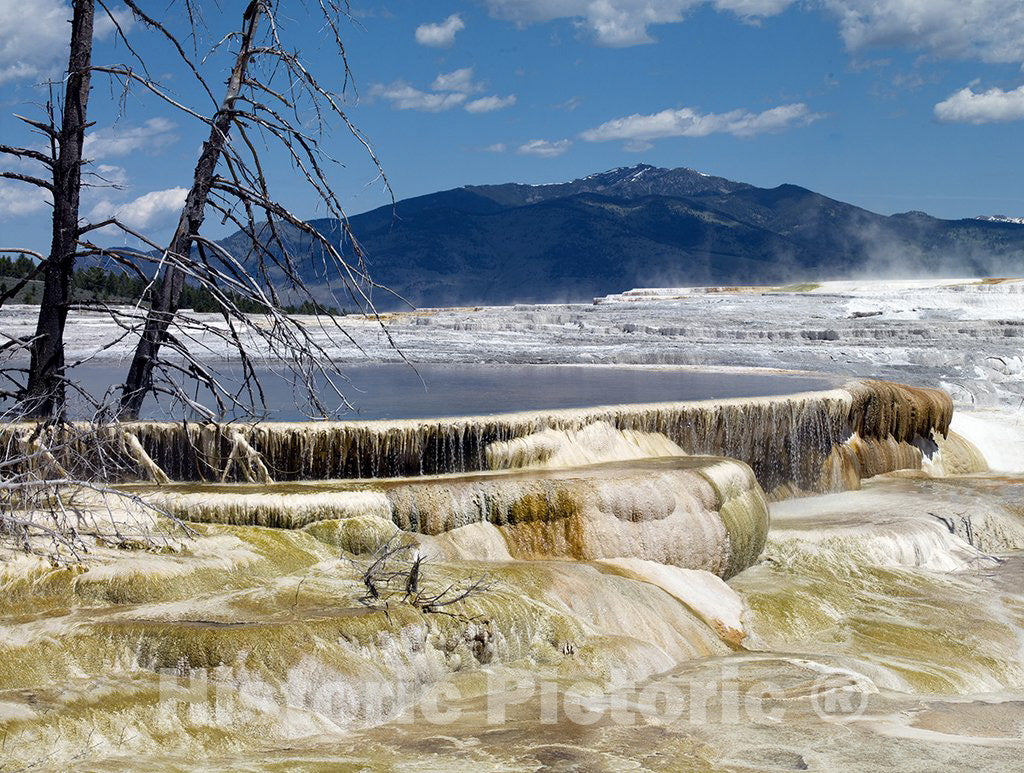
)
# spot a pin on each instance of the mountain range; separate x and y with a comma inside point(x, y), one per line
point(647, 226)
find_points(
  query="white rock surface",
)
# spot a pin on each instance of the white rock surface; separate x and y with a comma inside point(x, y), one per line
point(962, 334)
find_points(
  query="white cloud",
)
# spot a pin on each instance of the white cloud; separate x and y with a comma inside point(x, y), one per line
point(544, 148)
point(104, 26)
point(449, 89)
point(17, 199)
point(638, 146)
point(969, 106)
point(442, 34)
point(150, 209)
point(489, 104)
point(33, 45)
point(623, 22)
point(687, 122)
point(753, 9)
point(497, 147)
point(456, 80)
point(402, 96)
point(123, 140)
point(34, 36)
point(990, 30)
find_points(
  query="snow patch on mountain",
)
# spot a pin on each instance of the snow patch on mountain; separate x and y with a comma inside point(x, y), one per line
point(1001, 219)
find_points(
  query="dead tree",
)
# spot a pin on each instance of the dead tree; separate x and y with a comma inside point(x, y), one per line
point(269, 91)
point(55, 494)
point(271, 94)
point(164, 304)
point(44, 393)
point(51, 472)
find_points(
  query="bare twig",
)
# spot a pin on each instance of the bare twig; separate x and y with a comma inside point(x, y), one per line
point(397, 571)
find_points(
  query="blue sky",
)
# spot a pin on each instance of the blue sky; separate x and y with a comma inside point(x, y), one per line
point(890, 104)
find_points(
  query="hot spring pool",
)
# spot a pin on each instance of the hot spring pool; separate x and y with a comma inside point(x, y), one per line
point(397, 391)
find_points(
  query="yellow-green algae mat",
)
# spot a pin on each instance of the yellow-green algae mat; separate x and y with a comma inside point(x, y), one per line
point(693, 512)
point(264, 615)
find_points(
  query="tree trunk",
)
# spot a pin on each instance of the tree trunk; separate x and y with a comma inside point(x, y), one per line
point(45, 391)
point(165, 301)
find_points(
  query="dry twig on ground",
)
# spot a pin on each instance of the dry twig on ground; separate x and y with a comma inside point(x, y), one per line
point(398, 572)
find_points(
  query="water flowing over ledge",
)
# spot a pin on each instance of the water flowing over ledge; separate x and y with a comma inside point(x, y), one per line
point(790, 442)
point(690, 512)
point(681, 484)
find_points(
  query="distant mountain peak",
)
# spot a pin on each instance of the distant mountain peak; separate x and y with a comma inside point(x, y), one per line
point(624, 171)
point(628, 182)
point(643, 226)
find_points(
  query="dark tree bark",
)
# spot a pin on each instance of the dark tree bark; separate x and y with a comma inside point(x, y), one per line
point(45, 390)
point(165, 301)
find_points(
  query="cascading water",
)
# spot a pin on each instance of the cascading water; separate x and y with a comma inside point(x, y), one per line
point(692, 512)
point(605, 541)
point(576, 484)
point(785, 440)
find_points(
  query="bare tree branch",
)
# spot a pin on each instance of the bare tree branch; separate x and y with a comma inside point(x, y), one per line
point(35, 155)
point(28, 179)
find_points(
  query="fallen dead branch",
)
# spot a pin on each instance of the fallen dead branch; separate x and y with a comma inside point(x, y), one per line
point(397, 572)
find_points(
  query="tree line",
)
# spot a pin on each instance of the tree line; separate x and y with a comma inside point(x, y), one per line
point(96, 283)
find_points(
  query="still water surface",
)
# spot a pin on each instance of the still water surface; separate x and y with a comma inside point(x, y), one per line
point(397, 391)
